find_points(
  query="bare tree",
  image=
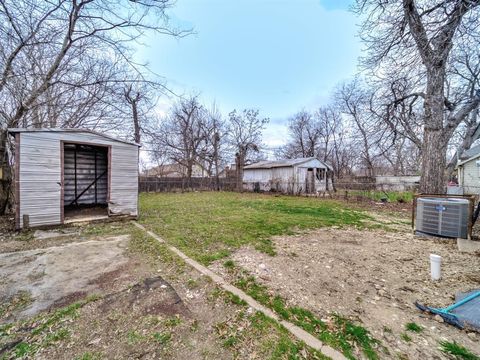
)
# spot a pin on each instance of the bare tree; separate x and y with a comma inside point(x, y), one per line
point(244, 136)
point(59, 68)
point(415, 39)
point(304, 136)
point(141, 98)
point(464, 82)
point(213, 153)
point(330, 125)
point(181, 135)
point(369, 134)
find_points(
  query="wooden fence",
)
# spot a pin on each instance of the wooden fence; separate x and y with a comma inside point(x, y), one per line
point(174, 184)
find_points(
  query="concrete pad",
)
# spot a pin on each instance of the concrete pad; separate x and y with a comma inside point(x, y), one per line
point(51, 234)
point(55, 273)
point(465, 245)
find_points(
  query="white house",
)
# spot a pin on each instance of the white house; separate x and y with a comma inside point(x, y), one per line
point(468, 170)
point(292, 176)
point(60, 173)
point(397, 182)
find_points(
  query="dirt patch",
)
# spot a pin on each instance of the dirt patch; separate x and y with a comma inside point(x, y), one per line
point(68, 299)
point(371, 276)
point(57, 275)
point(153, 296)
point(160, 319)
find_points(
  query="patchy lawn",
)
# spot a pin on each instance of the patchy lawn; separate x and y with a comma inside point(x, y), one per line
point(156, 308)
point(371, 279)
point(209, 225)
point(346, 275)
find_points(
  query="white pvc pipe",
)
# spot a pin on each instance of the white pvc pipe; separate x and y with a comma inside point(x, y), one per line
point(435, 267)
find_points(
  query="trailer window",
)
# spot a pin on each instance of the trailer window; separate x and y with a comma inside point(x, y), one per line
point(320, 174)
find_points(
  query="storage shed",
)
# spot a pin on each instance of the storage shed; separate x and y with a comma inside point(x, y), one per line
point(62, 175)
point(291, 176)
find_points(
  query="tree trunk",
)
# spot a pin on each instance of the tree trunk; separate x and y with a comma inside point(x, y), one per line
point(434, 152)
point(136, 122)
point(239, 163)
point(216, 139)
point(189, 173)
point(434, 149)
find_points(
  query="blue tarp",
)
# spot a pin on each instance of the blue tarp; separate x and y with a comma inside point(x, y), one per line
point(464, 313)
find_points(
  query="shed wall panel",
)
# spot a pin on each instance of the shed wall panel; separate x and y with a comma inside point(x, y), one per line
point(124, 180)
point(40, 175)
point(40, 180)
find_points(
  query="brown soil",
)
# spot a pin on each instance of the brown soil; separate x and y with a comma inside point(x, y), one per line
point(153, 296)
point(150, 305)
point(371, 276)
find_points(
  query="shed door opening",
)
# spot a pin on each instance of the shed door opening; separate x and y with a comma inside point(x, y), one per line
point(85, 179)
point(310, 181)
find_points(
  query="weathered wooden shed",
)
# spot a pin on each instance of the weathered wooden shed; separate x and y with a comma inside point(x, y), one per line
point(292, 176)
point(63, 175)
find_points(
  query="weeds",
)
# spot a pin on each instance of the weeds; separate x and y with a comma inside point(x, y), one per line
point(19, 301)
point(229, 264)
point(89, 356)
point(173, 321)
point(41, 331)
point(341, 333)
point(192, 283)
point(405, 337)
point(275, 341)
point(162, 338)
point(133, 337)
point(457, 351)
point(234, 299)
point(413, 327)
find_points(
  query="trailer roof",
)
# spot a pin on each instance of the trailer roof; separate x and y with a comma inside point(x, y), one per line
point(283, 163)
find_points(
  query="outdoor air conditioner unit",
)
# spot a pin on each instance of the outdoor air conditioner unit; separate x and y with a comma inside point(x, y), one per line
point(448, 217)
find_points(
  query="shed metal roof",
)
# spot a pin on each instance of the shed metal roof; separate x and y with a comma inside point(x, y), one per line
point(282, 163)
point(69, 130)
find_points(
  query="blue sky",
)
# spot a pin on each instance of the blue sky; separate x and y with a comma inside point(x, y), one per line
point(278, 56)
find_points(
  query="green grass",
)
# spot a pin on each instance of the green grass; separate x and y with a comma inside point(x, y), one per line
point(173, 321)
point(378, 195)
point(151, 249)
point(405, 337)
point(133, 337)
point(40, 331)
point(17, 302)
point(345, 335)
point(413, 327)
point(208, 226)
point(229, 264)
point(271, 340)
point(457, 351)
point(89, 356)
point(162, 338)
